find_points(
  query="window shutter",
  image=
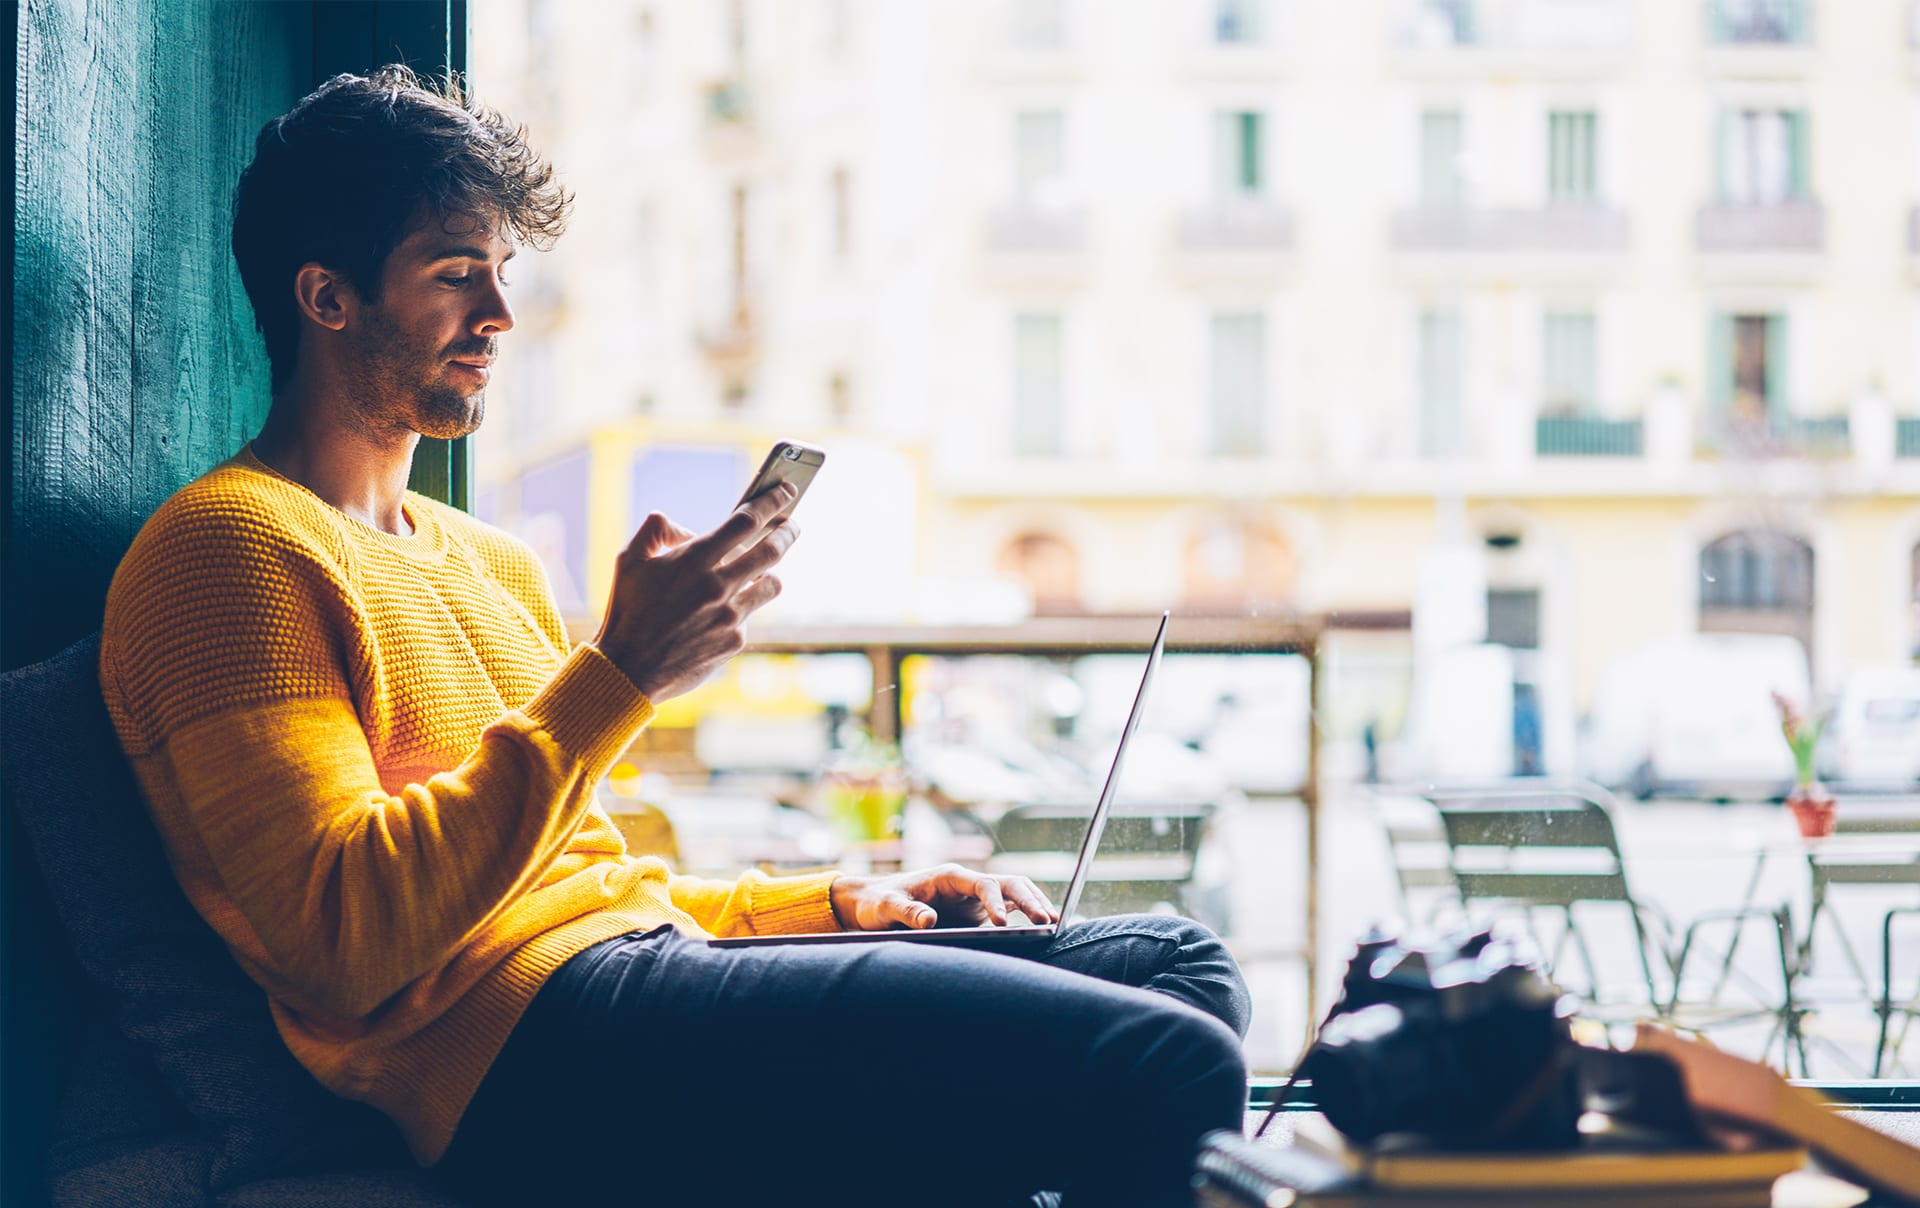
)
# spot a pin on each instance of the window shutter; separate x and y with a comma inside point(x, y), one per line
point(1779, 367)
point(1720, 364)
point(1798, 176)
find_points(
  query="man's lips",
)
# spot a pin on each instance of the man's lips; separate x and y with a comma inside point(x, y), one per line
point(480, 365)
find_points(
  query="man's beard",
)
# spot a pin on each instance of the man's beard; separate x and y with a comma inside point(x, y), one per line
point(396, 390)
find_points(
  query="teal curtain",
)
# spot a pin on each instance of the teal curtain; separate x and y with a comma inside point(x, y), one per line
point(1799, 170)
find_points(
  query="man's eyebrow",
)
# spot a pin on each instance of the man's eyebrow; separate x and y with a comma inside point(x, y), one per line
point(464, 252)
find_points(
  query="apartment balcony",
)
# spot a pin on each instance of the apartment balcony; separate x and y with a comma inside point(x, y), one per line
point(1026, 228)
point(1759, 22)
point(1581, 230)
point(1586, 436)
point(1906, 436)
point(1795, 227)
point(1782, 435)
point(1237, 228)
point(1529, 37)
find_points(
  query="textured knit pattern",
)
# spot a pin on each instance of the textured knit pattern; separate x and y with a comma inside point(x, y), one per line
point(372, 760)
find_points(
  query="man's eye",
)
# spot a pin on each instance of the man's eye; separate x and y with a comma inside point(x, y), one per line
point(455, 280)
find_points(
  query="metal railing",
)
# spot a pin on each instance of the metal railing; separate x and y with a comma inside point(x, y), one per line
point(1586, 436)
point(1027, 228)
point(1906, 436)
point(1782, 434)
point(1759, 22)
point(1237, 226)
point(1786, 226)
point(1568, 228)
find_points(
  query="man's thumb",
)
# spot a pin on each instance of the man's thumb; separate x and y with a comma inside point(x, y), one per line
point(656, 534)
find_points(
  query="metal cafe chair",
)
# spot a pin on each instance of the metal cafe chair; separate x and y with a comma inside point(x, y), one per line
point(1554, 848)
point(1417, 846)
point(1885, 1007)
point(1146, 860)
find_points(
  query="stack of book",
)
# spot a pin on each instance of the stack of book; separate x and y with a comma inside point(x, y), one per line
point(1319, 1170)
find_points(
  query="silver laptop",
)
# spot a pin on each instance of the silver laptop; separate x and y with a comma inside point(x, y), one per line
point(1010, 936)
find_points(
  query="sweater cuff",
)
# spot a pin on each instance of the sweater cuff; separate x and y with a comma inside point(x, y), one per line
point(591, 709)
point(794, 905)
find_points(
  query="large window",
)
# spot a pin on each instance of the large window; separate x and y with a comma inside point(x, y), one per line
point(1757, 581)
point(1573, 158)
point(1039, 385)
point(1570, 363)
point(1441, 429)
point(1763, 156)
point(1239, 153)
point(1238, 392)
point(1442, 182)
point(1239, 22)
point(1039, 151)
point(1748, 364)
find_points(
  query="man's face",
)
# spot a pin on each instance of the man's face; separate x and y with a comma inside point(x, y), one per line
point(425, 349)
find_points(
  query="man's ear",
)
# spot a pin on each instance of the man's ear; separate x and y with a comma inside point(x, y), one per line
point(322, 295)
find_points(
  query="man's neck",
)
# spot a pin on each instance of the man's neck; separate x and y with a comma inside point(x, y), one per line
point(361, 473)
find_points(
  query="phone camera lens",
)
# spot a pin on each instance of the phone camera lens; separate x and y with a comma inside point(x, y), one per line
point(793, 455)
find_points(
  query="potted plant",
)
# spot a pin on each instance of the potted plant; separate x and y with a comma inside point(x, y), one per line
point(1810, 802)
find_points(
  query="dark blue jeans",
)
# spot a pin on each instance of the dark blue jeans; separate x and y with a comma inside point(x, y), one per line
point(655, 1069)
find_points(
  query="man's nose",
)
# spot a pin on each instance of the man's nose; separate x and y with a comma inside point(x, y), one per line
point(494, 314)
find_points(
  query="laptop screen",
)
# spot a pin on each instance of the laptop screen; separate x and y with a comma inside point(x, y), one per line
point(1098, 822)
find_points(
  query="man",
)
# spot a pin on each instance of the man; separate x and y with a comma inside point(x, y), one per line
point(372, 756)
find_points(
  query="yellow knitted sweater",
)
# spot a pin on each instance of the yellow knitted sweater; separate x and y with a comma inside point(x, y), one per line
point(372, 760)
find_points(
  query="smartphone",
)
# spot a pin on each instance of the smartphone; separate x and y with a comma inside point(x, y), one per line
point(788, 461)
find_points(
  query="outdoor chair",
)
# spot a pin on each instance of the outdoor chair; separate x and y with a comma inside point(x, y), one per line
point(1146, 861)
point(1528, 849)
point(1885, 1008)
point(1417, 846)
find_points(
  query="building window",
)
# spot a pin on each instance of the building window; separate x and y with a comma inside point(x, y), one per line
point(1513, 617)
point(1040, 151)
point(1440, 372)
point(840, 202)
point(1441, 139)
point(1037, 24)
point(1238, 387)
point(1570, 364)
point(1763, 156)
point(1049, 568)
point(1573, 176)
point(839, 397)
point(1239, 22)
point(1239, 153)
point(1757, 581)
point(1748, 367)
point(1039, 386)
point(1757, 20)
point(1444, 22)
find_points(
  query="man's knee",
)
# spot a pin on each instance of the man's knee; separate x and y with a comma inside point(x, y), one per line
point(1201, 955)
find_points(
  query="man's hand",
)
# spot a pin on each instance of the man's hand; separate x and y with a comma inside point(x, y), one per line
point(680, 602)
point(946, 895)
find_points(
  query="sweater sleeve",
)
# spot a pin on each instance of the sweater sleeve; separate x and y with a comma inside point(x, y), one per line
point(757, 904)
point(232, 678)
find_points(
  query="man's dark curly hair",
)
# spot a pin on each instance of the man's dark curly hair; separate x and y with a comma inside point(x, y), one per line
point(341, 178)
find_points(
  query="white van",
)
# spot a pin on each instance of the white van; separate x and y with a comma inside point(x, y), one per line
point(1873, 739)
point(1695, 716)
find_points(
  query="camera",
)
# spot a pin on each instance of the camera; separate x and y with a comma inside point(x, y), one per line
point(1459, 1039)
point(793, 454)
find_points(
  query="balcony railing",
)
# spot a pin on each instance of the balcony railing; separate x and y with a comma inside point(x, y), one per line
point(1787, 226)
point(1784, 435)
point(1547, 26)
point(1758, 22)
point(1025, 228)
point(1248, 226)
point(1906, 436)
point(1547, 229)
point(1586, 436)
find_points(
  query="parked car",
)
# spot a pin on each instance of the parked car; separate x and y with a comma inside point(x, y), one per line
point(1695, 716)
point(1872, 740)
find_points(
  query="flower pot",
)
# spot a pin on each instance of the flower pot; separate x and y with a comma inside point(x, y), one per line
point(1812, 808)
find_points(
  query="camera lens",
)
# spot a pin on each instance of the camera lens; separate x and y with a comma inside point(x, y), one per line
point(793, 455)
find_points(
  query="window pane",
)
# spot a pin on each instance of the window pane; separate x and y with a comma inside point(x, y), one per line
point(1037, 24)
point(1238, 22)
point(1239, 393)
point(1040, 149)
point(1440, 147)
point(1038, 386)
point(1440, 434)
point(1238, 153)
point(1570, 363)
point(1572, 173)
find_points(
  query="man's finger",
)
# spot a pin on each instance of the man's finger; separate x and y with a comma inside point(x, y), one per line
point(749, 518)
point(763, 555)
point(900, 908)
point(987, 890)
point(758, 594)
point(1023, 893)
